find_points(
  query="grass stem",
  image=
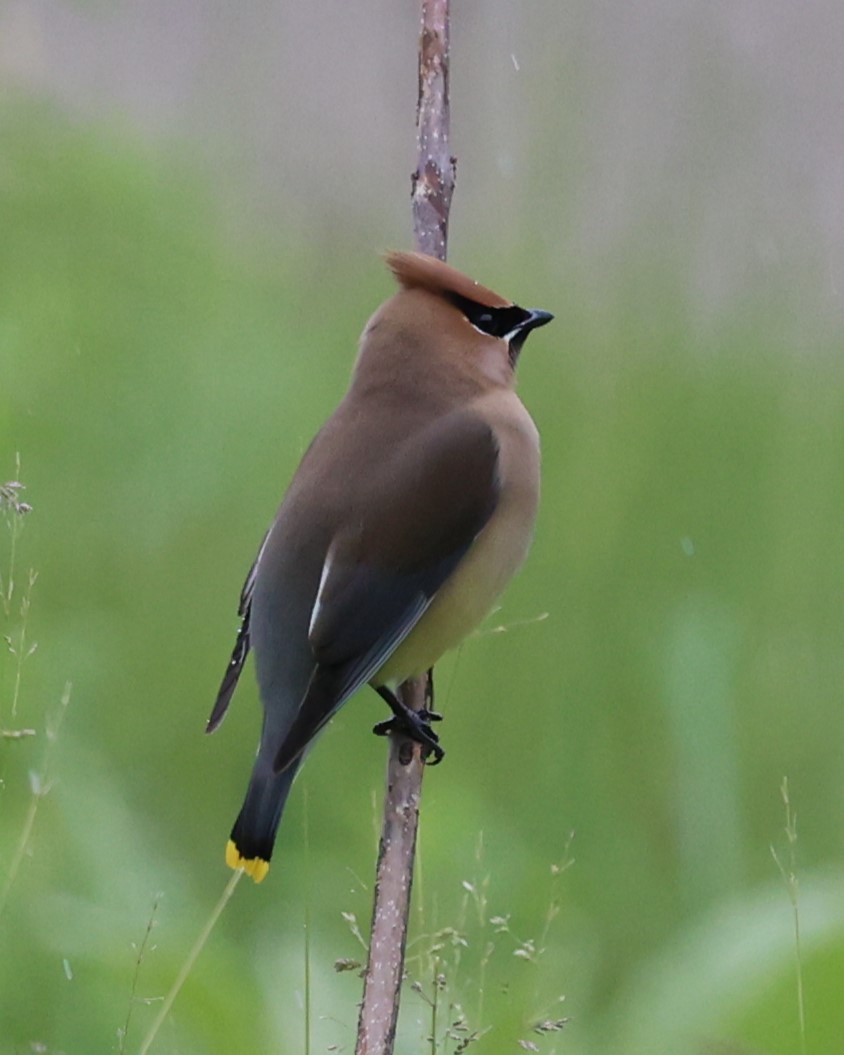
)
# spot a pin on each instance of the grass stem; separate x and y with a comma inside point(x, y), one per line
point(789, 874)
point(187, 966)
point(139, 959)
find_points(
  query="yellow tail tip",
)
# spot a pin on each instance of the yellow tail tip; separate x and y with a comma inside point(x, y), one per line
point(256, 867)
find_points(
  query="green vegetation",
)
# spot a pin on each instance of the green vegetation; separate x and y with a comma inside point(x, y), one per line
point(160, 381)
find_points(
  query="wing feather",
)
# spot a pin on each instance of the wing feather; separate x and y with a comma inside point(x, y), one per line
point(241, 648)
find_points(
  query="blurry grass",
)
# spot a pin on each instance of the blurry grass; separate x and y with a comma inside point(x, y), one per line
point(453, 969)
point(449, 972)
point(189, 963)
point(15, 602)
point(15, 611)
point(788, 871)
point(40, 785)
point(143, 949)
point(163, 384)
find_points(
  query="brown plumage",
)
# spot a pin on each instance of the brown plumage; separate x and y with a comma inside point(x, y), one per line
point(418, 271)
point(407, 516)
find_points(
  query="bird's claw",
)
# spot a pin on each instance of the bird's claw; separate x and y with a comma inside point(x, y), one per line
point(435, 750)
point(416, 725)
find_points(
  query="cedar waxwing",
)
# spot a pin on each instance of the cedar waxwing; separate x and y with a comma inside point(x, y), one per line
point(408, 514)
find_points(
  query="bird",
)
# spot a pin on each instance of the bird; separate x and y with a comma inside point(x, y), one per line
point(409, 512)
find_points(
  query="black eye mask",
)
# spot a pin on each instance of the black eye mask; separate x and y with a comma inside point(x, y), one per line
point(497, 322)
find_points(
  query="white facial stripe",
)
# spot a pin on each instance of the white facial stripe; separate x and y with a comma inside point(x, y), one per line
point(484, 333)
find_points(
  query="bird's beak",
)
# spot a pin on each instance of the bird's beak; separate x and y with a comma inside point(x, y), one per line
point(533, 317)
point(536, 318)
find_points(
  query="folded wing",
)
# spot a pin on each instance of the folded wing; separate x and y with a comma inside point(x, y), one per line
point(389, 559)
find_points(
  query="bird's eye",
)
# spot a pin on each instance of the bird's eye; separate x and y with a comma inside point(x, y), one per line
point(493, 321)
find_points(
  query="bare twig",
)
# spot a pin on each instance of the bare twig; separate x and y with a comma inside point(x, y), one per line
point(432, 188)
point(380, 1008)
point(433, 180)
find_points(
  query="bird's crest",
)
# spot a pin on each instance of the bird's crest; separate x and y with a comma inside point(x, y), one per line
point(418, 271)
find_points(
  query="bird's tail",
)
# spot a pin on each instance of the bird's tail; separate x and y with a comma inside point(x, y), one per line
point(250, 845)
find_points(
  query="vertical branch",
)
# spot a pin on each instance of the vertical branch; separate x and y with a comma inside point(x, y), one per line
point(432, 188)
point(433, 180)
point(382, 986)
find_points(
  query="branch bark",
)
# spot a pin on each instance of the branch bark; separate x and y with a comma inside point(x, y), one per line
point(433, 181)
point(432, 187)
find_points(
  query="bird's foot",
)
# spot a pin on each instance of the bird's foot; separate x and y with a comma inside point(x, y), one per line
point(416, 725)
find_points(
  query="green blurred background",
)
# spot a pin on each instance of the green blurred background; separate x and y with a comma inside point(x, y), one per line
point(192, 200)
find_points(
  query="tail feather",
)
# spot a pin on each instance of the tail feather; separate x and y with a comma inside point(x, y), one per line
point(250, 846)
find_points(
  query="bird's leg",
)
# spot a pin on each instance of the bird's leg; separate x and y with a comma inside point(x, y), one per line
point(415, 724)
